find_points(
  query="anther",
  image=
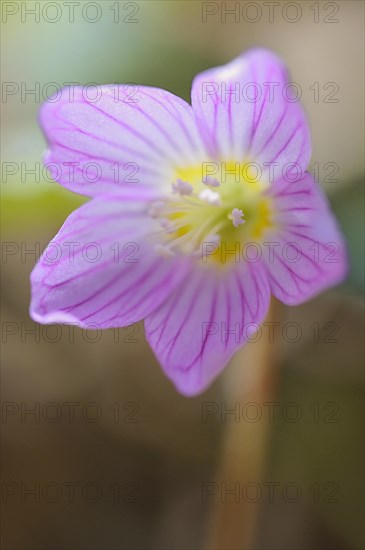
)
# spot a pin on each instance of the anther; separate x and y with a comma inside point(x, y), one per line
point(182, 188)
point(167, 225)
point(155, 209)
point(208, 246)
point(211, 182)
point(236, 217)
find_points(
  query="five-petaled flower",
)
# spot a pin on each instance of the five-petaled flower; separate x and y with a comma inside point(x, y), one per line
point(215, 230)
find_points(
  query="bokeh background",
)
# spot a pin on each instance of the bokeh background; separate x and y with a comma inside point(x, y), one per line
point(135, 452)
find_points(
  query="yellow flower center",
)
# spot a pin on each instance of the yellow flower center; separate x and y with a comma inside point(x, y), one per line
point(213, 211)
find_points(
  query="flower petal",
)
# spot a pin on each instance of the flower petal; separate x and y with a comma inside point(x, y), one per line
point(99, 269)
point(308, 252)
point(247, 112)
point(126, 134)
point(196, 331)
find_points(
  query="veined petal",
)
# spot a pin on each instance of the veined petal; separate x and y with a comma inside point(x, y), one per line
point(247, 111)
point(126, 134)
point(99, 269)
point(307, 252)
point(196, 331)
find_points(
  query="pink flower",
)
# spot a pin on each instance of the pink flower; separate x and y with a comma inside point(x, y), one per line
point(223, 214)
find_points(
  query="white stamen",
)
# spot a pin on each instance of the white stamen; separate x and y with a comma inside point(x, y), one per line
point(163, 251)
point(182, 188)
point(211, 182)
point(211, 197)
point(236, 217)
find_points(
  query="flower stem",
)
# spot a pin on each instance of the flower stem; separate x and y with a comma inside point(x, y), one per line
point(251, 382)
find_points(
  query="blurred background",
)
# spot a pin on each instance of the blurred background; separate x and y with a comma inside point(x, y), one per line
point(98, 450)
